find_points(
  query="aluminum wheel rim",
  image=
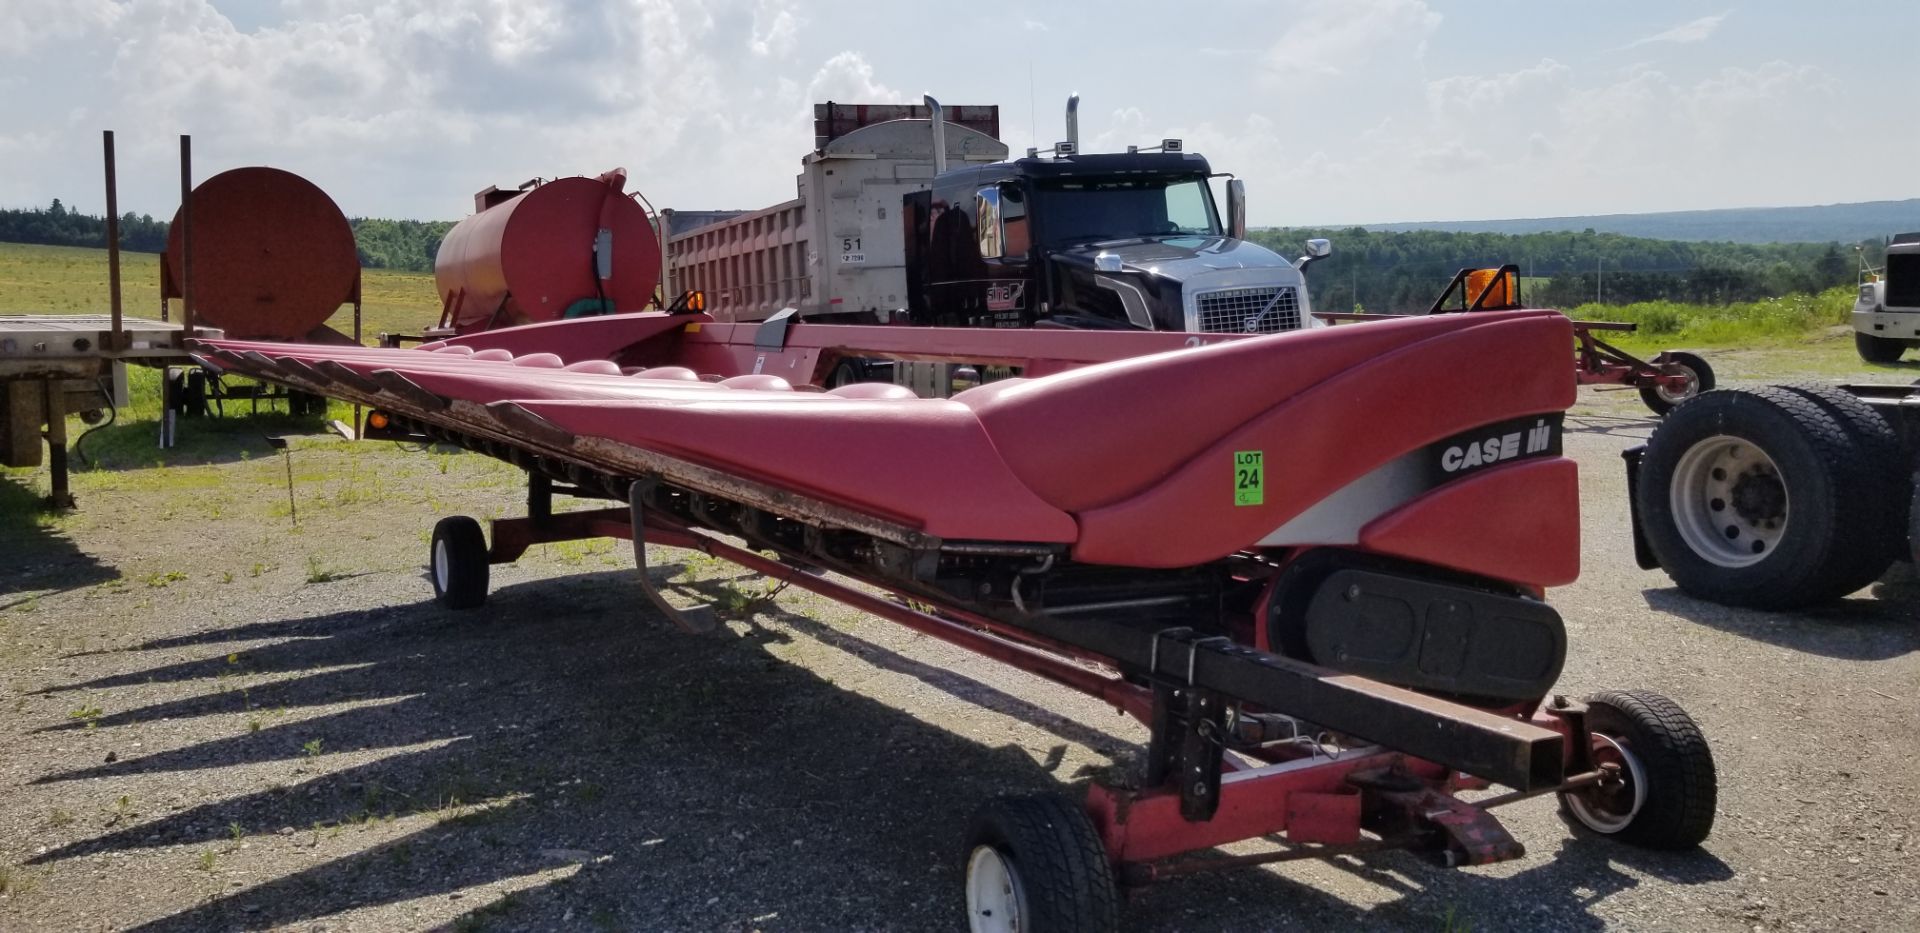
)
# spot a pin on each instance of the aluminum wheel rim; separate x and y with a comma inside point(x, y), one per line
point(1729, 503)
point(440, 564)
point(1611, 806)
point(993, 893)
point(1691, 389)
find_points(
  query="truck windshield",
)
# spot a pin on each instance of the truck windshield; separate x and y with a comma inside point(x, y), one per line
point(1114, 209)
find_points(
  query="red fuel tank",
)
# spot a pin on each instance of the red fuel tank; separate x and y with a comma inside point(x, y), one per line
point(273, 257)
point(571, 247)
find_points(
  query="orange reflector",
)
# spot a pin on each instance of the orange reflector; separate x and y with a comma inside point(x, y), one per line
point(1501, 295)
point(378, 420)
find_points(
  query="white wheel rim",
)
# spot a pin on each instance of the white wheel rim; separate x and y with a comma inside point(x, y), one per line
point(1611, 819)
point(440, 564)
point(1729, 503)
point(993, 893)
point(1690, 389)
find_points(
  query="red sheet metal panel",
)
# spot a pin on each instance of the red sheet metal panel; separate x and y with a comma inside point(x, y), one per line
point(273, 256)
point(1519, 522)
point(1508, 365)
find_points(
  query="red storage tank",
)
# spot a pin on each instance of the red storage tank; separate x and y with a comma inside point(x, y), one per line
point(537, 255)
point(273, 257)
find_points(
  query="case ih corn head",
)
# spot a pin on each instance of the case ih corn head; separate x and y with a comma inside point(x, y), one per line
point(1319, 590)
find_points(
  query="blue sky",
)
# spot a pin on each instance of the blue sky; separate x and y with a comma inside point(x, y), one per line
point(1337, 111)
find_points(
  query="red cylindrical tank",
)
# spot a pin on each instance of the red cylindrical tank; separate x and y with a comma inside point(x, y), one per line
point(273, 257)
point(535, 256)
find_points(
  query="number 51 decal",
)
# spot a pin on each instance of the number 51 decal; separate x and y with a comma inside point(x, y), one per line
point(1249, 477)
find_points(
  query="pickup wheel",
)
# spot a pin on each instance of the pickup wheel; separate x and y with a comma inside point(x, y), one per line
point(1662, 788)
point(1662, 399)
point(458, 563)
point(1037, 863)
point(1761, 498)
point(1878, 349)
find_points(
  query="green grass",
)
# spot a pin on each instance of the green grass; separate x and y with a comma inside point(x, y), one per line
point(1772, 321)
point(72, 280)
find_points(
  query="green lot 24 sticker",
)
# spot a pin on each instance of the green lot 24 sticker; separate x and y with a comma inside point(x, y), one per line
point(1249, 477)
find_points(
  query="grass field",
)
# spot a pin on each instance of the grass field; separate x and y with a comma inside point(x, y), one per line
point(69, 280)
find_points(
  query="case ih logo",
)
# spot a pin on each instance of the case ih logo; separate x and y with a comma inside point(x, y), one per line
point(1499, 443)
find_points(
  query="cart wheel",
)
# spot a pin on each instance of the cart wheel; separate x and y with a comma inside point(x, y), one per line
point(1754, 498)
point(1664, 789)
point(1037, 864)
point(846, 374)
point(1878, 349)
point(459, 563)
point(1699, 379)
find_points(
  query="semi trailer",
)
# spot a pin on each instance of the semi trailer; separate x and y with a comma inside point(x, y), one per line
point(906, 214)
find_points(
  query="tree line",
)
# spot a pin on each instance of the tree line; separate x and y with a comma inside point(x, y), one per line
point(1371, 270)
point(382, 244)
point(1404, 271)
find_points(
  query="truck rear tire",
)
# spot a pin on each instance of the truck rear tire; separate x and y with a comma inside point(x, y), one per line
point(1700, 380)
point(1878, 349)
point(1759, 498)
point(1883, 464)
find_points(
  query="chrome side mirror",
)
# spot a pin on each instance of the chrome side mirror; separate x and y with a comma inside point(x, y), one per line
point(1317, 249)
point(1237, 209)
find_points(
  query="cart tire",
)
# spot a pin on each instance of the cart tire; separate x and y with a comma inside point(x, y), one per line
point(1752, 497)
point(1660, 400)
point(1878, 349)
point(1667, 792)
point(1883, 464)
point(458, 563)
point(1036, 863)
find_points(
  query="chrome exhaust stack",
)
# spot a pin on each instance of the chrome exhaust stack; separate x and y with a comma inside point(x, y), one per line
point(938, 117)
point(1073, 125)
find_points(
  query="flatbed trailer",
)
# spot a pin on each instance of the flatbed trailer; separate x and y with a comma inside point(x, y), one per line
point(54, 365)
point(1330, 638)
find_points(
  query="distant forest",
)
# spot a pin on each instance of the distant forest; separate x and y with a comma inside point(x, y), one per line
point(1405, 271)
point(383, 244)
point(1372, 270)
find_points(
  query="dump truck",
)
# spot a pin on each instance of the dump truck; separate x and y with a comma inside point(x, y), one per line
point(1886, 315)
point(914, 214)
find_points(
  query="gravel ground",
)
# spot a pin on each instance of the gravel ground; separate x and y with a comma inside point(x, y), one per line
point(213, 719)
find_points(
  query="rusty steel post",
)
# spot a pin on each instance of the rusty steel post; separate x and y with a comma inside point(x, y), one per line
point(118, 336)
point(186, 235)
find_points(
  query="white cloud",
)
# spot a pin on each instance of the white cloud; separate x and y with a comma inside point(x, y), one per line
point(1698, 30)
point(1332, 39)
point(775, 28)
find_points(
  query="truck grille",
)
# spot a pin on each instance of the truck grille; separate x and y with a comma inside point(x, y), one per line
point(1239, 310)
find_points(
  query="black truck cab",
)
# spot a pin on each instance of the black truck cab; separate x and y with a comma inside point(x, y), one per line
point(1120, 240)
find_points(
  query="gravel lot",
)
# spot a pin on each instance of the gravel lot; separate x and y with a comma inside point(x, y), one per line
point(213, 719)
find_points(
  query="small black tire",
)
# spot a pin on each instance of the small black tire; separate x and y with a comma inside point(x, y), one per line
point(846, 373)
point(1667, 788)
point(1040, 858)
point(1798, 502)
point(1701, 381)
point(457, 563)
point(1878, 349)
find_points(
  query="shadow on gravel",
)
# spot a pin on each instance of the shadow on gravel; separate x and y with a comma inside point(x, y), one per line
point(695, 782)
point(38, 557)
point(1858, 629)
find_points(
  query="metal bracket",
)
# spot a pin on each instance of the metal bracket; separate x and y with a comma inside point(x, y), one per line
point(697, 619)
point(772, 333)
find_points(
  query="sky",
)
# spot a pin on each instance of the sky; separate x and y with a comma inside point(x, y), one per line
point(1334, 111)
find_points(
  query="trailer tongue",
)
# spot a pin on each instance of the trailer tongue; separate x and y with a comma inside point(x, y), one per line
point(1331, 626)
